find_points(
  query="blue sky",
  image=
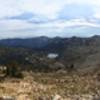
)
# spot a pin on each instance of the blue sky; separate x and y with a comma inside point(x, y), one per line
point(29, 18)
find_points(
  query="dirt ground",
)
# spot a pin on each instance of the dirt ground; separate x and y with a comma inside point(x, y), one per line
point(55, 86)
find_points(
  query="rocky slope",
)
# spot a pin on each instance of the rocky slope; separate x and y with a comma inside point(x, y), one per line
point(73, 50)
point(56, 86)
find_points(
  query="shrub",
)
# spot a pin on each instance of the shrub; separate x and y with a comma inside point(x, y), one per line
point(13, 70)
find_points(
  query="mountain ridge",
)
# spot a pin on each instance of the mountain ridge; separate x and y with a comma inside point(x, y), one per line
point(43, 40)
point(81, 52)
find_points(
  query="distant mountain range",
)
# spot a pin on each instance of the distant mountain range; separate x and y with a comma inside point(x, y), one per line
point(82, 52)
point(44, 42)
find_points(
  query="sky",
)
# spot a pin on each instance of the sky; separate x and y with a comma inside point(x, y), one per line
point(65, 18)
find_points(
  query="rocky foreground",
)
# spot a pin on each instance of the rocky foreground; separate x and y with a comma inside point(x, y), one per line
point(47, 86)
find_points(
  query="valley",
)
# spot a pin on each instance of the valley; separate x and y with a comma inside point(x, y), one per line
point(45, 68)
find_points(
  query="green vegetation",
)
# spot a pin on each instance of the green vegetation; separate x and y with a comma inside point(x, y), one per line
point(13, 70)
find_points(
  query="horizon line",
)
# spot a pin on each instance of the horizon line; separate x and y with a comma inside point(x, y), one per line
point(50, 37)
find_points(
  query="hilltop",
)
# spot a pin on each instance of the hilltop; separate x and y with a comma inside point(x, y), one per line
point(82, 53)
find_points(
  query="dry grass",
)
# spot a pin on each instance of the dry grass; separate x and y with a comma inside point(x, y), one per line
point(44, 86)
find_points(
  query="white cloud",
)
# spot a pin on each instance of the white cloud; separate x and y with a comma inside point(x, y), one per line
point(9, 8)
point(97, 15)
point(48, 10)
point(22, 24)
point(22, 28)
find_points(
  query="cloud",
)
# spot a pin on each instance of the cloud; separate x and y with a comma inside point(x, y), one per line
point(46, 8)
point(9, 8)
point(23, 18)
point(22, 28)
